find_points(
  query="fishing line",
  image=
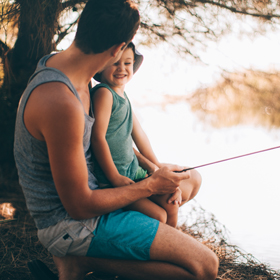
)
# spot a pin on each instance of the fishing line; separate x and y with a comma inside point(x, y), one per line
point(215, 162)
point(210, 163)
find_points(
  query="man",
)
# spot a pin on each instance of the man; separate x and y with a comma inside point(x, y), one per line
point(83, 226)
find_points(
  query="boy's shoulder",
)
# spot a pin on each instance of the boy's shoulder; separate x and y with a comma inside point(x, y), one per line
point(102, 88)
point(99, 86)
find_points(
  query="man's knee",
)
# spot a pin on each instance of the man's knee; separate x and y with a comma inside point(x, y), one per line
point(209, 268)
point(171, 245)
point(213, 266)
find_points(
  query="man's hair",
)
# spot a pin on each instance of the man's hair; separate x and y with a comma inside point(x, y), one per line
point(131, 46)
point(105, 23)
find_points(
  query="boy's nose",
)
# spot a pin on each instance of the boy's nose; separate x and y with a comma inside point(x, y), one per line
point(120, 67)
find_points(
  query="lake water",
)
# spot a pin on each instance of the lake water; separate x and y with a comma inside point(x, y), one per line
point(243, 193)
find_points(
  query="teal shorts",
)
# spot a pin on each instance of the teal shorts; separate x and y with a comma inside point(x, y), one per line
point(123, 235)
point(140, 173)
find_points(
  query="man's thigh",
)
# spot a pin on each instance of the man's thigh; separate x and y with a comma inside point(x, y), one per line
point(123, 235)
point(173, 246)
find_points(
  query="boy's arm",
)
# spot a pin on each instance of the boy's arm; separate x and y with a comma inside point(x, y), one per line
point(102, 107)
point(142, 142)
point(145, 163)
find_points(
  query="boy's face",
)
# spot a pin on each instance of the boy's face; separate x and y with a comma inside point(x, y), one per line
point(121, 72)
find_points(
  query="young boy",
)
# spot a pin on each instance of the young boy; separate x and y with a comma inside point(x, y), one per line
point(115, 129)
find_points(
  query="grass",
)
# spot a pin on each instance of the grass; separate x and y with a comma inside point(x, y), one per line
point(19, 242)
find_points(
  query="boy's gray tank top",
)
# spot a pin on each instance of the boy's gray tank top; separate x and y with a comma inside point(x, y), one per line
point(32, 159)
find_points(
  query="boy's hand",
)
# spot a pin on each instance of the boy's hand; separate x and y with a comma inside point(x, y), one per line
point(120, 181)
point(176, 197)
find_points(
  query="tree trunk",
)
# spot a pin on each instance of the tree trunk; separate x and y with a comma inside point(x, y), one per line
point(37, 26)
point(36, 29)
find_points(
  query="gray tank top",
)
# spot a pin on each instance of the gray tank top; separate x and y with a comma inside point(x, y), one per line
point(31, 155)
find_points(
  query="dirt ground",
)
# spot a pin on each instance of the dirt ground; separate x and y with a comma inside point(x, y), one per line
point(19, 243)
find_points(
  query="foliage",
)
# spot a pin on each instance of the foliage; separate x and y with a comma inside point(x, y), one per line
point(30, 29)
point(249, 97)
point(187, 26)
point(182, 24)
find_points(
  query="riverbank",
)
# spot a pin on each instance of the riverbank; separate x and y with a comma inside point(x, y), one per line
point(19, 243)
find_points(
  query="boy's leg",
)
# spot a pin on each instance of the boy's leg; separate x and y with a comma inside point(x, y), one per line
point(170, 208)
point(174, 255)
point(149, 208)
point(189, 190)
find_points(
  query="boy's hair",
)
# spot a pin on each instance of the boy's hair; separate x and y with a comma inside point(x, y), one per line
point(105, 23)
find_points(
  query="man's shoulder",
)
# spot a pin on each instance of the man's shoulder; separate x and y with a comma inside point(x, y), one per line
point(51, 102)
point(55, 94)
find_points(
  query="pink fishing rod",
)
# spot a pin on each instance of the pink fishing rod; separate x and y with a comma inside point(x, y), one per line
point(222, 160)
point(206, 164)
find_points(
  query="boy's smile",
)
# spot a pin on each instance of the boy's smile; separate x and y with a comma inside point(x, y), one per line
point(120, 76)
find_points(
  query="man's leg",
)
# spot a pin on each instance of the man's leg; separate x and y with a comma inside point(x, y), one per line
point(182, 250)
point(174, 255)
point(190, 187)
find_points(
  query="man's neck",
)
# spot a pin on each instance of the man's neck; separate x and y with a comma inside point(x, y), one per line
point(77, 66)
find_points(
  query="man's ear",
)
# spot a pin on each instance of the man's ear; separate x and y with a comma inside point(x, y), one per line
point(117, 48)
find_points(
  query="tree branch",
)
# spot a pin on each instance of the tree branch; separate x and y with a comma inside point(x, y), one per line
point(3, 48)
point(71, 3)
point(62, 34)
point(235, 10)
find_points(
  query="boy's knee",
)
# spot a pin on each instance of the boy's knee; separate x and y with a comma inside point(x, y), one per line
point(161, 216)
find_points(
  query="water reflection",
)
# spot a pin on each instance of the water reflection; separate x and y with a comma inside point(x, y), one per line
point(250, 97)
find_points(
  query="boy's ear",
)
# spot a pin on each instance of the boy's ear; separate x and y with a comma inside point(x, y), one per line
point(117, 48)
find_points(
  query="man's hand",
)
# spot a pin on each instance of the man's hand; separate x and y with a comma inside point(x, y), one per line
point(165, 181)
point(120, 181)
